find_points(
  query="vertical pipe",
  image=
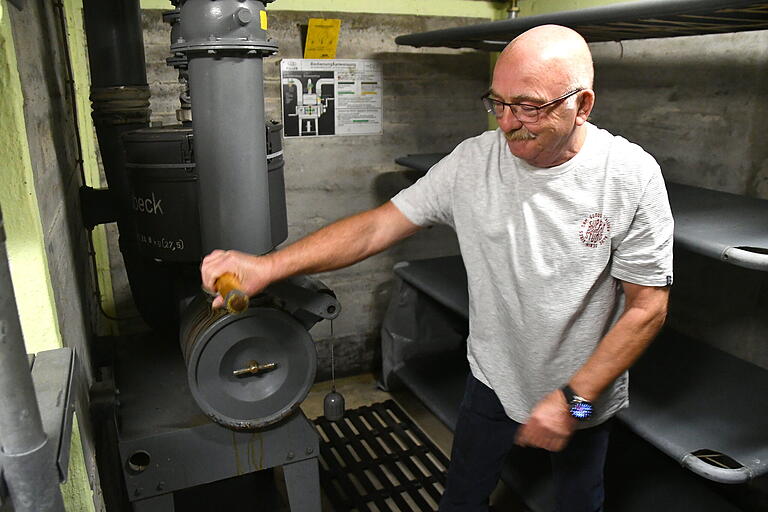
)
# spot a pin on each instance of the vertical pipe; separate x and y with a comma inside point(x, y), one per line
point(119, 89)
point(120, 97)
point(231, 153)
point(29, 469)
point(225, 42)
point(115, 42)
point(513, 11)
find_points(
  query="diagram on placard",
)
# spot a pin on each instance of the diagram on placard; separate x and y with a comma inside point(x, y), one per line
point(308, 103)
point(331, 97)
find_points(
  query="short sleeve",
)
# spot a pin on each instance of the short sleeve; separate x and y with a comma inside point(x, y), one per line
point(430, 200)
point(644, 256)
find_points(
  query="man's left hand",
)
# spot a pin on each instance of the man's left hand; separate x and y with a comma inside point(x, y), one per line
point(549, 426)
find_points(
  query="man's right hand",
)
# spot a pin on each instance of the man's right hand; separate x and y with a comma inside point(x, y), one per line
point(338, 245)
point(252, 271)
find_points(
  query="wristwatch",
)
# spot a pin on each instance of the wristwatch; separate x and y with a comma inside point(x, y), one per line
point(579, 407)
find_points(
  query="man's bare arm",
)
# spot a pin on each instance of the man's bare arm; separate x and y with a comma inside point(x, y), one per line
point(644, 313)
point(550, 426)
point(337, 245)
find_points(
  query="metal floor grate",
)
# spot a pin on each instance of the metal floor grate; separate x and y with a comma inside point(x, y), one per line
point(377, 459)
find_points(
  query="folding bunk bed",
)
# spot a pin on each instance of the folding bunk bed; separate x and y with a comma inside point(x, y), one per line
point(700, 407)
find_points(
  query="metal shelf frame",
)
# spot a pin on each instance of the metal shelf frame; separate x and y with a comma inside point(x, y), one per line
point(642, 19)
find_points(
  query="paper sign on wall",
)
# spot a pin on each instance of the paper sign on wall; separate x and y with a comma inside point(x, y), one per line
point(331, 97)
point(322, 38)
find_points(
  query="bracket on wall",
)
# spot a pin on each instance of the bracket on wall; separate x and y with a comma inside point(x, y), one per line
point(97, 206)
point(54, 374)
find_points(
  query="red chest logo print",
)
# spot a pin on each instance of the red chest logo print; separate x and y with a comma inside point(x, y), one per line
point(594, 230)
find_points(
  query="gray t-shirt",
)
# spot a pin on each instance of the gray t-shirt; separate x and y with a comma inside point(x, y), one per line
point(544, 251)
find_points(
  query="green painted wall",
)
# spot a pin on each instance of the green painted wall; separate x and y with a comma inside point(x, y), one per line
point(26, 245)
point(465, 8)
point(531, 7)
point(76, 491)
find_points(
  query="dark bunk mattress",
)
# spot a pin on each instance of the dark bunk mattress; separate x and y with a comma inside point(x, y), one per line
point(687, 398)
point(726, 227)
point(699, 393)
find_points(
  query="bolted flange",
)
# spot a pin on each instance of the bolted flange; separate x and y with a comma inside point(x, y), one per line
point(226, 25)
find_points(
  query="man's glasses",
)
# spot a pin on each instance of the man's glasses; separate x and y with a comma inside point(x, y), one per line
point(524, 112)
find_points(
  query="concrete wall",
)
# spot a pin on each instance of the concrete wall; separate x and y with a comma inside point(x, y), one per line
point(696, 103)
point(700, 106)
point(430, 101)
point(53, 149)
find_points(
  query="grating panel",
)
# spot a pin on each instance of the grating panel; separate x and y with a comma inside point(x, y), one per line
point(377, 459)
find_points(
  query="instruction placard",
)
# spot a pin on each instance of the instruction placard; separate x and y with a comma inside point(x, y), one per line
point(331, 97)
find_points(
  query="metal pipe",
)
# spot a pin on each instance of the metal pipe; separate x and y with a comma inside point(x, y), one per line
point(225, 42)
point(26, 455)
point(119, 90)
point(120, 97)
point(179, 62)
point(513, 11)
point(115, 36)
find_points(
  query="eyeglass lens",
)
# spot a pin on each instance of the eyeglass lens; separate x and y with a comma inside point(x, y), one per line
point(527, 113)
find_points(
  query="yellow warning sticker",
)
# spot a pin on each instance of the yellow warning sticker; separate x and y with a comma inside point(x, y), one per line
point(322, 38)
point(263, 15)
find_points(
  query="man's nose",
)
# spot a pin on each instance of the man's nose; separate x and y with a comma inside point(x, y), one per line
point(508, 121)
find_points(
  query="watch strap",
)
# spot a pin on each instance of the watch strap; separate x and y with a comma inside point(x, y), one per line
point(579, 407)
point(569, 394)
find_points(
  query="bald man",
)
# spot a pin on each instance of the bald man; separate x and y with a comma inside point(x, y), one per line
point(566, 235)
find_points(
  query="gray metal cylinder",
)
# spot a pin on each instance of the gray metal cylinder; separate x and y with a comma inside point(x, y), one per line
point(20, 426)
point(228, 121)
point(115, 36)
point(223, 25)
point(247, 371)
point(253, 369)
point(120, 98)
point(164, 187)
point(119, 89)
point(27, 457)
point(224, 41)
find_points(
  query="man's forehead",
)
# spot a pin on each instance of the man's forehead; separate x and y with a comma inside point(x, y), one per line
point(519, 77)
point(517, 96)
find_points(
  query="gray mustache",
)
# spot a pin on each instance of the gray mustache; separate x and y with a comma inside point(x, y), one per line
point(519, 134)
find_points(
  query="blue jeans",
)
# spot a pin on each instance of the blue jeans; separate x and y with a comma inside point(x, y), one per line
point(485, 436)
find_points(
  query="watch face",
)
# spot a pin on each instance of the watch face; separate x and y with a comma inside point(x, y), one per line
point(581, 410)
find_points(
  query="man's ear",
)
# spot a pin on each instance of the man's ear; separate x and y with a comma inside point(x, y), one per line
point(586, 103)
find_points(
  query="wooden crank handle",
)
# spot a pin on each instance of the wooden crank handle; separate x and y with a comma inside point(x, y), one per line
point(228, 287)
